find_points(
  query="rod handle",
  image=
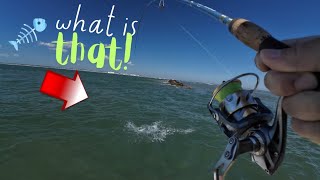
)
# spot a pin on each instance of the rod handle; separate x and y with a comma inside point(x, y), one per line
point(254, 36)
point(258, 38)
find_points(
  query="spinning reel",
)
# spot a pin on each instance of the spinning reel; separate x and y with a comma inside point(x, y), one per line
point(249, 125)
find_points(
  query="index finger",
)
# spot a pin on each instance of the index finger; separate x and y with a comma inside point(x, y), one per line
point(295, 41)
point(303, 56)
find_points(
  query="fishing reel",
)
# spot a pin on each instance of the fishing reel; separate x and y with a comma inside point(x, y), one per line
point(249, 125)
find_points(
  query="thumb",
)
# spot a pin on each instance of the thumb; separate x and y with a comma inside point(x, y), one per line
point(302, 56)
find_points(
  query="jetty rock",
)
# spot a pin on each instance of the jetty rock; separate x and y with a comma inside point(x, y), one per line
point(178, 84)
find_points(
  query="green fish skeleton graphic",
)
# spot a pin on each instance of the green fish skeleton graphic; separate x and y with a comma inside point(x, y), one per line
point(27, 32)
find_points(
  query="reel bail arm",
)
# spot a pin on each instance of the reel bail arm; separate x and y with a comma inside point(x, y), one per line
point(250, 126)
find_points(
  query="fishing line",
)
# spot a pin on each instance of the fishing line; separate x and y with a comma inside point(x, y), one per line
point(140, 23)
point(312, 161)
point(205, 11)
point(201, 45)
point(206, 50)
point(152, 1)
point(209, 53)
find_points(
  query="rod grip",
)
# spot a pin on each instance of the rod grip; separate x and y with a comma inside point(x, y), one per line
point(272, 43)
point(254, 36)
point(251, 34)
point(258, 38)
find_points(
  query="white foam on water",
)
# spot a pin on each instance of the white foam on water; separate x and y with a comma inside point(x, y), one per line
point(165, 83)
point(155, 132)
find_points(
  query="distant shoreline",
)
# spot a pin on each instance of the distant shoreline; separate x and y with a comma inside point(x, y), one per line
point(111, 73)
point(92, 71)
point(68, 69)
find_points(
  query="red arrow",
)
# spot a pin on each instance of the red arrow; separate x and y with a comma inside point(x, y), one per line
point(71, 91)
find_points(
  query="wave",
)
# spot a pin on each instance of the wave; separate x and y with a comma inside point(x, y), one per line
point(155, 132)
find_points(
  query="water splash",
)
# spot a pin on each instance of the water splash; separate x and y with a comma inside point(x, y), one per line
point(155, 132)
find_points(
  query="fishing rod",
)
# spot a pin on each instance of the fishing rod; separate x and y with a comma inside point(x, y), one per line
point(247, 122)
point(249, 125)
point(247, 32)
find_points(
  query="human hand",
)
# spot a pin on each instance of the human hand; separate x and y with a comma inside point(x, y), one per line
point(289, 74)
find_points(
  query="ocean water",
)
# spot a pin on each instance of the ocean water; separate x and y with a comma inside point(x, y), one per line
point(129, 128)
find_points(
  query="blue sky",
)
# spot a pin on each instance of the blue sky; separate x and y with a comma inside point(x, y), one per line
point(167, 43)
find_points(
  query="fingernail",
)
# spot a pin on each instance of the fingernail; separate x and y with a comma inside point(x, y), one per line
point(271, 53)
point(306, 82)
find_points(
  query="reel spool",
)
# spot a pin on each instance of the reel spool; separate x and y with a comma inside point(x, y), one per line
point(249, 125)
